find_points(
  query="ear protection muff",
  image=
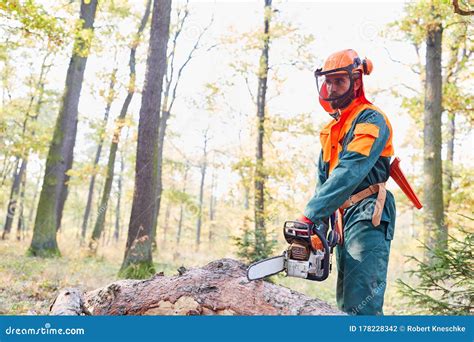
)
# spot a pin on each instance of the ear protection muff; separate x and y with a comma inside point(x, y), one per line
point(367, 66)
point(364, 66)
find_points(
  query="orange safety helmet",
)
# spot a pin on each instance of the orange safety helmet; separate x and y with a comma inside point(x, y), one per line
point(338, 72)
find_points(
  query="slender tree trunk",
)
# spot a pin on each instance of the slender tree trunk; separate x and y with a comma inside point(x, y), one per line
point(100, 218)
point(166, 225)
point(33, 201)
point(212, 207)
point(436, 234)
point(181, 208)
point(119, 199)
point(138, 261)
point(21, 219)
point(60, 155)
point(246, 197)
point(450, 158)
point(90, 193)
point(12, 202)
point(72, 108)
point(159, 164)
point(5, 168)
point(201, 191)
point(260, 231)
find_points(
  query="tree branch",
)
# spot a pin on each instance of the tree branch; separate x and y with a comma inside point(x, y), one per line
point(461, 11)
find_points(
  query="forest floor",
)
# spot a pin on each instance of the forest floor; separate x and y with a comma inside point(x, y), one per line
point(28, 285)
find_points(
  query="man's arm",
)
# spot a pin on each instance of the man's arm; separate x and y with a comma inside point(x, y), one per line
point(370, 136)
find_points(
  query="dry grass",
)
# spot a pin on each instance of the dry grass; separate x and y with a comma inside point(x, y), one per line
point(29, 285)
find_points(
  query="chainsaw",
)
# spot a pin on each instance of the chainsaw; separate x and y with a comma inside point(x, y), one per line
point(308, 255)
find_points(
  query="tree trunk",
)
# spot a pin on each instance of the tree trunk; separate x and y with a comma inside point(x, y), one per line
point(20, 228)
point(12, 202)
point(219, 288)
point(119, 199)
point(212, 207)
point(166, 225)
point(159, 165)
point(201, 192)
point(100, 218)
point(246, 197)
point(436, 234)
point(71, 104)
point(181, 208)
point(60, 155)
point(260, 232)
point(90, 193)
point(33, 201)
point(450, 158)
point(137, 261)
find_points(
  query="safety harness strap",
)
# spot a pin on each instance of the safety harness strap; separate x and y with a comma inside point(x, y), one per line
point(378, 208)
point(379, 203)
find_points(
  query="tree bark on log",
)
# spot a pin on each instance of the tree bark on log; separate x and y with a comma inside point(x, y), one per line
point(219, 288)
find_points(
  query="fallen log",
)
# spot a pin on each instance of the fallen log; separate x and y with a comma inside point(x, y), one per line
point(219, 288)
point(69, 302)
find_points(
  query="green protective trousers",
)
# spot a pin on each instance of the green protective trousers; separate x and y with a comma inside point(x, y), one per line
point(362, 268)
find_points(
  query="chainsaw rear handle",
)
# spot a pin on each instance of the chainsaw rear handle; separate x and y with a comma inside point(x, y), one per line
point(294, 230)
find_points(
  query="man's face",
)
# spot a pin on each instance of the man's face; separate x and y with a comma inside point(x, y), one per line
point(337, 84)
point(336, 89)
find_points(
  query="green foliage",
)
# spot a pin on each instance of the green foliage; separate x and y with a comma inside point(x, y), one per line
point(248, 250)
point(176, 196)
point(137, 270)
point(444, 285)
point(33, 19)
point(420, 16)
point(82, 40)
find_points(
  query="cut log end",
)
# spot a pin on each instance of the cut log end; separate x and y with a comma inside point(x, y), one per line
point(219, 288)
point(69, 302)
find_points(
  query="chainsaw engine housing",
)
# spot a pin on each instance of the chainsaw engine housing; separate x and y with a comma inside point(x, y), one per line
point(304, 268)
point(302, 259)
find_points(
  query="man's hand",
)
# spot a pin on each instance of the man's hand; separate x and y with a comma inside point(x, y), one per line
point(306, 220)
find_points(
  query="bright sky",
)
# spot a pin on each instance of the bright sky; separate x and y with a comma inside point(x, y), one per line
point(335, 25)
